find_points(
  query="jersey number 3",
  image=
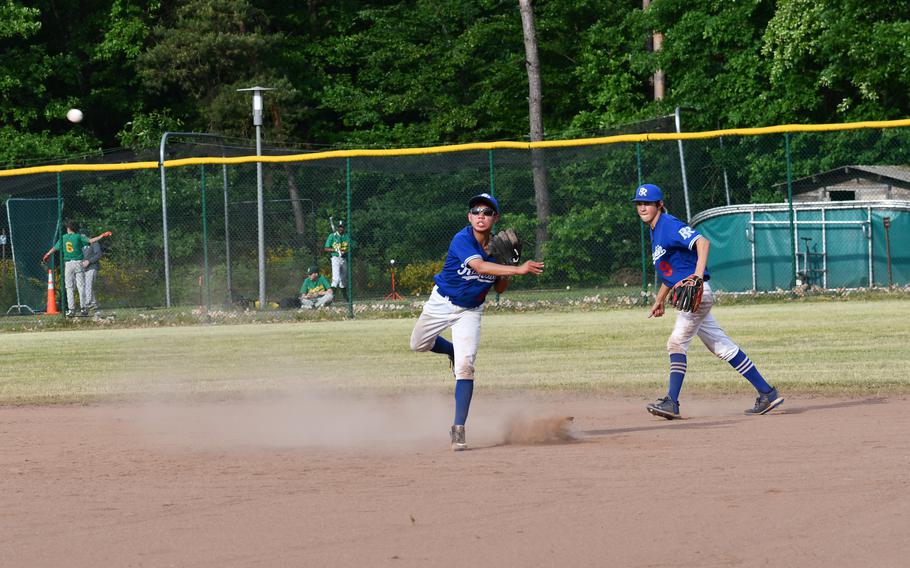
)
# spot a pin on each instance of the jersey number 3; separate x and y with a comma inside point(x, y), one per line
point(665, 268)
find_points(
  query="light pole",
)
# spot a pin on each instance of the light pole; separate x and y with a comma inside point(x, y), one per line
point(260, 209)
point(167, 257)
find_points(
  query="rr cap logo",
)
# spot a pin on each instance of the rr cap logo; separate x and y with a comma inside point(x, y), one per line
point(642, 191)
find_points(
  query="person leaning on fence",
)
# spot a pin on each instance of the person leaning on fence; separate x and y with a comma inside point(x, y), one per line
point(72, 244)
point(91, 256)
point(315, 292)
point(338, 244)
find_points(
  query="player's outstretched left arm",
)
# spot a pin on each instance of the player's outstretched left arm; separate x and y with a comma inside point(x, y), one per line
point(99, 237)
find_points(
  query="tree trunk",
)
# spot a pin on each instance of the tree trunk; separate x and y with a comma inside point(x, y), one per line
point(659, 79)
point(535, 114)
point(294, 196)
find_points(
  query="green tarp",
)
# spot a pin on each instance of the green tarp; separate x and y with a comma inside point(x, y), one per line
point(838, 245)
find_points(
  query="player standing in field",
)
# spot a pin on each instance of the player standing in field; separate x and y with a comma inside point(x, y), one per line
point(73, 271)
point(339, 245)
point(678, 251)
point(457, 302)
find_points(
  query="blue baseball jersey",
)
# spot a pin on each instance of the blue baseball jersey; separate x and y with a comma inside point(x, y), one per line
point(673, 249)
point(459, 282)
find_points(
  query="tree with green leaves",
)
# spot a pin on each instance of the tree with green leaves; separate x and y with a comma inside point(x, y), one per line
point(33, 127)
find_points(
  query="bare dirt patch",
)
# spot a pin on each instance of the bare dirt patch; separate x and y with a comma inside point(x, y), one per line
point(338, 482)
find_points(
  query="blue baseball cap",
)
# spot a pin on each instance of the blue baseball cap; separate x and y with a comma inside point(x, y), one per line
point(648, 192)
point(484, 198)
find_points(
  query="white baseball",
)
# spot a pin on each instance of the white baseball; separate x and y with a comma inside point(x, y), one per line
point(74, 115)
point(392, 261)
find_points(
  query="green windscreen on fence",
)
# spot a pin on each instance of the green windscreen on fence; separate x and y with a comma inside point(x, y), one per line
point(187, 231)
point(838, 245)
point(33, 227)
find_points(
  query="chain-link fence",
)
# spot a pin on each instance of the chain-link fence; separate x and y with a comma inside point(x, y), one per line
point(406, 205)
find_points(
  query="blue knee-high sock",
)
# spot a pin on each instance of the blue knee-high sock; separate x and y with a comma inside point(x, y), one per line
point(745, 367)
point(444, 346)
point(678, 363)
point(464, 390)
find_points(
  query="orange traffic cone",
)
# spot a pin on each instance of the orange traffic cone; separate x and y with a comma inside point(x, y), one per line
point(51, 297)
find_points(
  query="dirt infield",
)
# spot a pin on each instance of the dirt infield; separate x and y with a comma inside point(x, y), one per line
point(323, 481)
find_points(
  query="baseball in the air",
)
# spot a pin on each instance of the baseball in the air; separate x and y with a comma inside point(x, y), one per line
point(74, 115)
point(392, 261)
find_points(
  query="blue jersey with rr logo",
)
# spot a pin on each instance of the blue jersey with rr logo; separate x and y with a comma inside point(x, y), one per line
point(673, 249)
point(459, 282)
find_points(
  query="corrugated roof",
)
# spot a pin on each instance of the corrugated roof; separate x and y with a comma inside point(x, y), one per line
point(894, 173)
point(887, 205)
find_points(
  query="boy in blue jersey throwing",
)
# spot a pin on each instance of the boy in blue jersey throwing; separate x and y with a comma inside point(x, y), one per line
point(457, 302)
point(679, 251)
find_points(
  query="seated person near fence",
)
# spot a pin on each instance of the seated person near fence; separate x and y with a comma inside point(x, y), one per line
point(315, 292)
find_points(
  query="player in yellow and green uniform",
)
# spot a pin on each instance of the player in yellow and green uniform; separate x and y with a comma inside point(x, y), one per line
point(315, 291)
point(339, 244)
point(71, 245)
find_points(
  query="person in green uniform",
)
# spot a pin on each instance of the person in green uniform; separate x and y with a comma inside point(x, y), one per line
point(339, 245)
point(315, 292)
point(73, 271)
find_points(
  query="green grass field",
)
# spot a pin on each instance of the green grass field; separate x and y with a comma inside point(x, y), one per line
point(840, 347)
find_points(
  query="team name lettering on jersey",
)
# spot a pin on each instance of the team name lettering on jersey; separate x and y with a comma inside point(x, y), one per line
point(672, 247)
point(468, 273)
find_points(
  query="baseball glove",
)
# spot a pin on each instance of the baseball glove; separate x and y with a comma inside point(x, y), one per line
point(686, 294)
point(505, 247)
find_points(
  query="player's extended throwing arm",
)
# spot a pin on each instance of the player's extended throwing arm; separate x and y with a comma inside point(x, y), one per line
point(476, 262)
point(503, 271)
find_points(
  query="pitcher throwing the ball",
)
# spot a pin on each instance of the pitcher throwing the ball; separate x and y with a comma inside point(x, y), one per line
point(473, 265)
point(680, 256)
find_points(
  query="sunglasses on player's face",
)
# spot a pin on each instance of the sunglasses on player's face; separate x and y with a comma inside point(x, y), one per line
point(486, 211)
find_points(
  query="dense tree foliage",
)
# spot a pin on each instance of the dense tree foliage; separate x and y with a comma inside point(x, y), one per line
point(380, 72)
point(368, 73)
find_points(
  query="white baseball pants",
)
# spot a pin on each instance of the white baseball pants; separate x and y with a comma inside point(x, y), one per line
point(316, 302)
point(74, 277)
point(439, 314)
point(701, 324)
point(339, 272)
point(89, 300)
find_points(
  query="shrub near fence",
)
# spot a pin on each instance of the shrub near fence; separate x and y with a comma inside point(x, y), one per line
point(406, 205)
